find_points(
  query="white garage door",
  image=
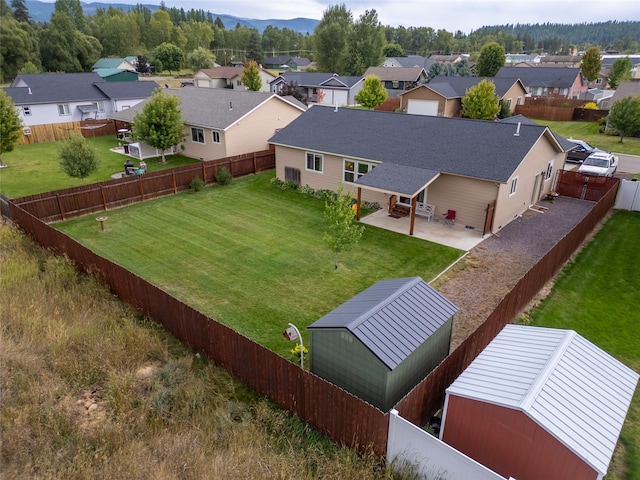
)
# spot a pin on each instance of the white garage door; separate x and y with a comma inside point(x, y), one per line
point(423, 107)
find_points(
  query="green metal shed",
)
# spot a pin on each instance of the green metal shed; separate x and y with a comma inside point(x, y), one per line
point(384, 341)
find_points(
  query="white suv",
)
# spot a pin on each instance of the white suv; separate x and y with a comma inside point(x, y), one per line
point(599, 163)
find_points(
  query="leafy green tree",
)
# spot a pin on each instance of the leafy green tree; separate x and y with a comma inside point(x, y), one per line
point(330, 38)
point(29, 68)
point(620, 72)
point(365, 42)
point(342, 230)
point(118, 33)
point(254, 47)
point(18, 45)
point(624, 116)
point(481, 101)
point(591, 64)
point(10, 125)
point(492, 57)
point(392, 50)
point(160, 123)
point(160, 29)
point(200, 58)
point(170, 56)
point(251, 76)
point(77, 158)
point(198, 34)
point(372, 92)
point(73, 8)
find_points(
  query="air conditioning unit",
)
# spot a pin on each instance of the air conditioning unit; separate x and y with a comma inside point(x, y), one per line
point(26, 131)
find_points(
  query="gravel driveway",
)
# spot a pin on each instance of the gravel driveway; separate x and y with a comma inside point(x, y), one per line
point(494, 266)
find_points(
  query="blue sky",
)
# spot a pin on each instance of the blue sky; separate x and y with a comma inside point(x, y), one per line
point(452, 15)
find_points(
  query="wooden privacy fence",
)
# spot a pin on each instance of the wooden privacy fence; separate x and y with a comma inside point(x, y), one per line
point(586, 187)
point(428, 396)
point(55, 132)
point(327, 408)
point(102, 196)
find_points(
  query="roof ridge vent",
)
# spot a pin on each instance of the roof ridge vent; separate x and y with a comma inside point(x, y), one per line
point(517, 134)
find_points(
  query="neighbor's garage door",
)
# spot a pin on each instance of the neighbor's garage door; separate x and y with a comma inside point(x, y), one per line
point(423, 107)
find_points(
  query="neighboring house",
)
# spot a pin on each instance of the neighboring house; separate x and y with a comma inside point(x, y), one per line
point(117, 75)
point(409, 61)
point(488, 172)
point(126, 63)
point(560, 60)
point(381, 343)
point(448, 59)
point(512, 59)
point(49, 98)
point(608, 59)
point(548, 81)
point(322, 88)
point(228, 77)
point(443, 95)
point(221, 123)
point(295, 64)
point(539, 403)
point(399, 79)
point(625, 89)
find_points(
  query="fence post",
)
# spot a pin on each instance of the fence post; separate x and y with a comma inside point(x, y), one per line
point(175, 188)
point(204, 173)
point(60, 207)
point(141, 188)
point(255, 168)
point(104, 200)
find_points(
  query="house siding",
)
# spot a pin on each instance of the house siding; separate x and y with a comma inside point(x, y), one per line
point(515, 92)
point(42, 114)
point(424, 93)
point(508, 442)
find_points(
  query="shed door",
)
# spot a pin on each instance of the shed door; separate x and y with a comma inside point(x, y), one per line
point(423, 107)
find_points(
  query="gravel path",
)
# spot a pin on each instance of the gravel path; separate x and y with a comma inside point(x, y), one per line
point(494, 266)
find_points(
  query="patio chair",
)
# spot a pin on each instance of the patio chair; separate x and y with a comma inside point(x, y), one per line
point(429, 210)
point(450, 217)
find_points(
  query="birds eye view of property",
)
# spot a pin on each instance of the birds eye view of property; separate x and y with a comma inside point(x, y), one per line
point(319, 248)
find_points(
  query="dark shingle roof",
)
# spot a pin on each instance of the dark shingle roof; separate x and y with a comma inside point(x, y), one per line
point(55, 88)
point(127, 90)
point(414, 61)
point(456, 87)
point(316, 79)
point(474, 148)
point(392, 318)
point(515, 119)
point(541, 76)
point(402, 74)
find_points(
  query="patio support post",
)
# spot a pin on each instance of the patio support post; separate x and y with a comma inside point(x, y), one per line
point(358, 203)
point(414, 202)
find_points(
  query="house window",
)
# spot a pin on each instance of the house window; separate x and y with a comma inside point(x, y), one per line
point(509, 103)
point(395, 84)
point(547, 175)
point(519, 101)
point(314, 162)
point(353, 170)
point(239, 83)
point(197, 135)
point(555, 90)
point(63, 109)
point(292, 175)
point(99, 106)
point(514, 186)
point(215, 136)
point(598, 81)
point(26, 111)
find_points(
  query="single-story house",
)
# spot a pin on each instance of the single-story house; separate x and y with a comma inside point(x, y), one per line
point(284, 62)
point(409, 61)
point(443, 95)
point(516, 58)
point(322, 88)
point(398, 79)
point(228, 77)
point(548, 81)
point(562, 61)
point(625, 89)
point(487, 172)
point(379, 344)
point(47, 98)
point(127, 63)
point(448, 59)
point(221, 122)
point(539, 403)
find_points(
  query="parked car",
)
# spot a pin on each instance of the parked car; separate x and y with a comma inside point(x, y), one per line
point(599, 163)
point(581, 151)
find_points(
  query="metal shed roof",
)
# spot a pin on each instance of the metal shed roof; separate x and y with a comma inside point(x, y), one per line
point(567, 385)
point(392, 317)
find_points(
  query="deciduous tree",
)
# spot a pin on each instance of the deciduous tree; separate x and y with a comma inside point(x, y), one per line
point(10, 125)
point(160, 123)
point(481, 101)
point(365, 42)
point(170, 56)
point(343, 232)
point(251, 76)
point(200, 58)
point(624, 116)
point(591, 64)
point(77, 158)
point(491, 59)
point(620, 72)
point(331, 36)
point(372, 92)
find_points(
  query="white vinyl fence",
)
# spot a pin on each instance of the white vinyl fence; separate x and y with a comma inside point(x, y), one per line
point(628, 195)
point(435, 460)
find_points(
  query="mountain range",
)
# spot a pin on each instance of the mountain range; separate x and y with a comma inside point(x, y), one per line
point(41, 12)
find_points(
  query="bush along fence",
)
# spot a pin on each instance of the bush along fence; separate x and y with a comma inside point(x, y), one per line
point(102, 196)
point(327, 408)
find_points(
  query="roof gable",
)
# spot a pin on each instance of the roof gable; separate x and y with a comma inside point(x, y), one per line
point(316, 79)
point(392, 318)
point(542, 76)
point(401, 74)
point(570, 387)
point(456, 87)
point(220, 72)
point(474, 148)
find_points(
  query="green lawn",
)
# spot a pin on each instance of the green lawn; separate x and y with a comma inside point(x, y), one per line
point(597, 295)
point(35, 169)
point(588, 131)
point(252, 256)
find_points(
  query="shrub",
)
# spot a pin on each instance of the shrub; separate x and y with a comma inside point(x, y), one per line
point(196, 184)
point(591, 106)
point(224, 177)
